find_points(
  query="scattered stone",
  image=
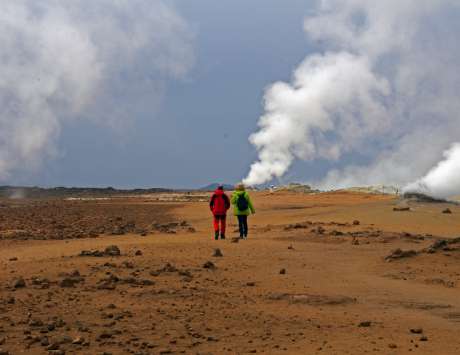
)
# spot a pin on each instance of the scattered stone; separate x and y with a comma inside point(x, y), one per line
point(401, 209)
point(356, 222)
point(282, 271)
point(168, 268)
point(399, 254)
point(447, 211)
point(355, 241)
point(439, 281)
point(53, 346)
point(112, 250)
point(78, 340)
point(19, 283)
point(392, 346)
point(127, 264)
point(424, 338)
point(56, 352)
point(138, 253)
point(209, 265)
point(40, 281)
point(297, 226)
point(35, 323)
point(217, 253)
point(250, 284)
point(416, 330)
point(365, 324)
point(13, 259)
point(95, 253)
point(4, 352)
point(290, 247)
point(68, 282)
point(64, 339)
point(235, 240)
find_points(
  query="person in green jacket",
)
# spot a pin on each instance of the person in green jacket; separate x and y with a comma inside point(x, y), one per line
point(242, 208)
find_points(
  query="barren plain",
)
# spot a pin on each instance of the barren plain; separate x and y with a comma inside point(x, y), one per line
point(328, 273)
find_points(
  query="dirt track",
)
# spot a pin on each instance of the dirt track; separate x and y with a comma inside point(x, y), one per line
point(338, 294)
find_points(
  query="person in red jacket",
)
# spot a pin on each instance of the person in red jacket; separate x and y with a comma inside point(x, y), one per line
point(219, 205)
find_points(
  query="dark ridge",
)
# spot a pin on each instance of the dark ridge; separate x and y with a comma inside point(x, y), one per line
point(420, 197)
point(212, 187)
point(54, 192)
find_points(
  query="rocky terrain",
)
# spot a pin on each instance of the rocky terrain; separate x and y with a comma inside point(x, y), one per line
point(330, 273)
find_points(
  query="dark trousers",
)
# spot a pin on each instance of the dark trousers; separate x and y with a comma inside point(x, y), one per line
point(243, 225)
point(222, 219)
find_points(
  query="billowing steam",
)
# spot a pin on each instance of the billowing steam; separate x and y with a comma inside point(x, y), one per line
point(384, 88)
point(442, 181)
point(63, 60)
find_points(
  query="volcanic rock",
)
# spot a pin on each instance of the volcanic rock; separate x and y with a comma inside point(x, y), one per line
point(19, 283)
point(365, 324)
point(447, 211)
point(416, 330)
point(401, 209)
point(209, 265)
point(399, 254)
point(112, 250)
point(218, 253)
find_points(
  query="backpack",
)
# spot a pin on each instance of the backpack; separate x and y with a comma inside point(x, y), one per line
point(242, 203)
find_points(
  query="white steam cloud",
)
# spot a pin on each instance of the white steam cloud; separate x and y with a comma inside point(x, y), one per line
point(443, 180)
point(63, 60)
point(384, 88)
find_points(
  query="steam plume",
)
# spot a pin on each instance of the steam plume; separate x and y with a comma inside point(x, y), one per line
point(383, 88)
point(443, 180)
point(64, 60)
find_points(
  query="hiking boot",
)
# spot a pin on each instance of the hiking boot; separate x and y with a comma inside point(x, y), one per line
point(216, 235)
point(222, 236)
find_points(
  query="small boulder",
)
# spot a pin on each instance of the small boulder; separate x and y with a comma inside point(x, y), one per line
point(138, 253)
point(112, 250)
point(209, 265)
point(282, 271)
point(399, 254)
point(68, 282)
point(365, 324)
point(401, 209)
point(218, 253)
point(447, 211)
point(416, 330)
point(19, 283)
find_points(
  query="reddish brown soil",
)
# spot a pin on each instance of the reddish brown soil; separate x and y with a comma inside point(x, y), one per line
point(338, 294)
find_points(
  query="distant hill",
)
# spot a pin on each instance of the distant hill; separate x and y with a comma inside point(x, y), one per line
point(17, 192)
point(212, 187)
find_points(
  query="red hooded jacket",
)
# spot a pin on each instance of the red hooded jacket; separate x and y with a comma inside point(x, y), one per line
point(220, 203)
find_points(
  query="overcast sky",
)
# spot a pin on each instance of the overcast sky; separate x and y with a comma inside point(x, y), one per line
point(170, 93)
point(195, 129)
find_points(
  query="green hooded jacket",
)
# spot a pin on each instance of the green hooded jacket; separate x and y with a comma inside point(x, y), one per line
point(234, 200)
